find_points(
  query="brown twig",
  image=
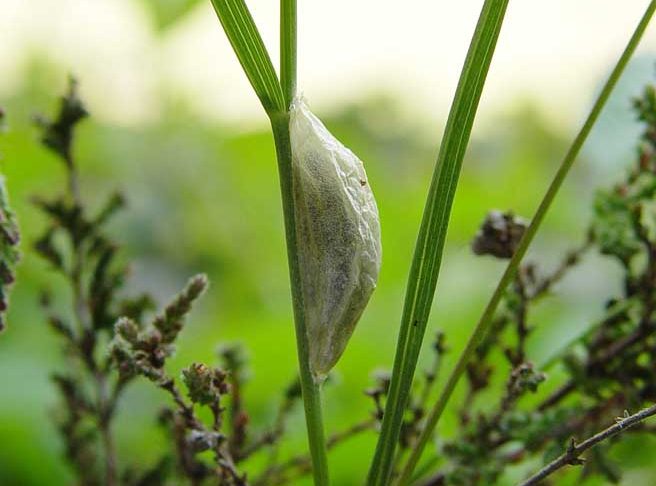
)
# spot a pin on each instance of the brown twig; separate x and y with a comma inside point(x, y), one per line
point(572, 455)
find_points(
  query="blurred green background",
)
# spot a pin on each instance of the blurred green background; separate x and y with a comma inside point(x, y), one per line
point(203, 196)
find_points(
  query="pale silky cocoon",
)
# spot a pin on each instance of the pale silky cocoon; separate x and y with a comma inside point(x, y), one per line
point(338, 236)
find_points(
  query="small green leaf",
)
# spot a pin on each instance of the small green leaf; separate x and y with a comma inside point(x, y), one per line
point(247, 43)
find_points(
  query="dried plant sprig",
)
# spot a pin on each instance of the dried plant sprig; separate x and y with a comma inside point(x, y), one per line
point(138, 349)
point(573, 453)
point(205, 386)
point(499, 234)
point(58, 133)
point(9, 253)
point(170, 323)
point(76, 246)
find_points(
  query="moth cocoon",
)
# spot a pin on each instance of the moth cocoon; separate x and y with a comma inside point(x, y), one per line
point(338, 236)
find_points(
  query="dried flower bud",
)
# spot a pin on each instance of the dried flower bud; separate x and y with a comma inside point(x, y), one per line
point(170, 323)
point(204, 384)
point(338, 236)
point(127, 329)
point(499, 235)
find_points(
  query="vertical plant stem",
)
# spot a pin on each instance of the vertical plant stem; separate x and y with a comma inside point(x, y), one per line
point(311, 390)
point(484, 323)
point(288, 49)
point(84, 325)
point(432, 233)
point(276, 97)
point(110, 451)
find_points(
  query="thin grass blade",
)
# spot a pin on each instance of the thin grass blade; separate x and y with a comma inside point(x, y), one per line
point(288, 43)
point(432, 233)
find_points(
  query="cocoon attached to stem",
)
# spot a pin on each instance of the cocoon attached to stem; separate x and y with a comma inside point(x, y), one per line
point(338, 236)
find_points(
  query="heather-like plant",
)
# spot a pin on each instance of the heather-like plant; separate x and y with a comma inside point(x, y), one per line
point(9, 239)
